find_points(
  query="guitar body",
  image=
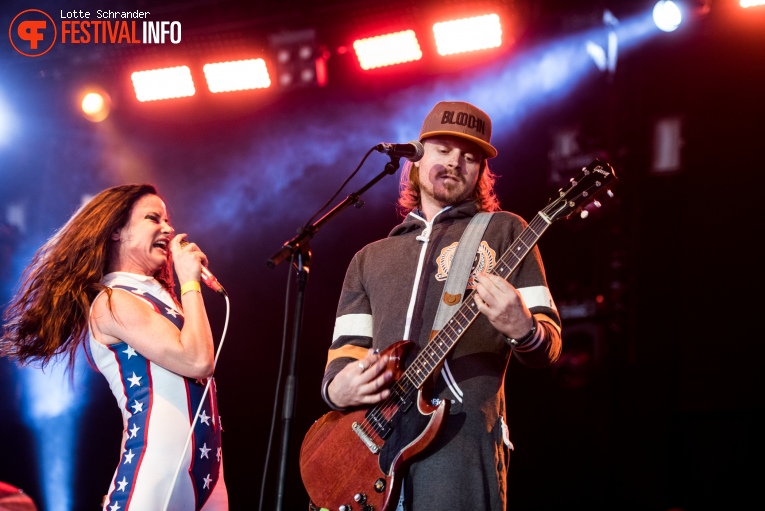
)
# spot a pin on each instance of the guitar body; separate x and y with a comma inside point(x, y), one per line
point(346, 461)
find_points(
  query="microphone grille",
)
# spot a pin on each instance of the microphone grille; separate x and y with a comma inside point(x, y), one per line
point(420, 151)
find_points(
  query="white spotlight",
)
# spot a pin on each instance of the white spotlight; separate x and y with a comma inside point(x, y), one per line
point(7, 122)
point(667, 15)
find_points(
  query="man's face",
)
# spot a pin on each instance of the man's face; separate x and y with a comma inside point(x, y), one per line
point(448, 171)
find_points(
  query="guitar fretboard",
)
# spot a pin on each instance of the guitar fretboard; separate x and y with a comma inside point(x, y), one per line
point(437, 348)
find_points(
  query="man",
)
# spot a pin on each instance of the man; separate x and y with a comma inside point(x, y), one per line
point(392, 291)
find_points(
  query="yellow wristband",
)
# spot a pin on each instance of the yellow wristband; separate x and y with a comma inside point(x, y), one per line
point(191, 285)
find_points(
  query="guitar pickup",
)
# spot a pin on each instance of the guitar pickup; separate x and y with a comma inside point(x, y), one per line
point(380, 424)
point(365, 438)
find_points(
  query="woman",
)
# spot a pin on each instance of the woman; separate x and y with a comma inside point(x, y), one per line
point(106, 277)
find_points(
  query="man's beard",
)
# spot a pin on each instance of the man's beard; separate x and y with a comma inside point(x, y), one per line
point(452, 192)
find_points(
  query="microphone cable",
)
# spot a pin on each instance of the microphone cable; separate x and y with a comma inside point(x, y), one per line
point(199, 409)
point(340, 189)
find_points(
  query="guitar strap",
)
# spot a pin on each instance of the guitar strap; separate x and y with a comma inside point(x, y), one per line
point(459, 270)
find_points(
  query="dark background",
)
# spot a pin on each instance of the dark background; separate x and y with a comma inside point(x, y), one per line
point(655, 404)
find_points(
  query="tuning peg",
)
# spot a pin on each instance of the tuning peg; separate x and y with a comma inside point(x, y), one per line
point(596, 203)
point(610, 193)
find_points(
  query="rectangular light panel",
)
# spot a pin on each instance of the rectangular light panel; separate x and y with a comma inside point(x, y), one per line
point(237, 75)
point(468, 34)
point(388, 49)
point(172, 82)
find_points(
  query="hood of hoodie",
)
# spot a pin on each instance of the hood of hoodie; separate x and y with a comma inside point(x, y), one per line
point(415, 220)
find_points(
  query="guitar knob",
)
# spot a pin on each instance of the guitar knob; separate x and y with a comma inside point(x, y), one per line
point(361, 498)
point(345, 507)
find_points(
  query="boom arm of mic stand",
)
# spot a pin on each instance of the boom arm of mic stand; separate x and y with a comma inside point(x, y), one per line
point(306, 233)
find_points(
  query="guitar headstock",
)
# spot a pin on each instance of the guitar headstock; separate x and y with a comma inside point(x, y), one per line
point(593, 180)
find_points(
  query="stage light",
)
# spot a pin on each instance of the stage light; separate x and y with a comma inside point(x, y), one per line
point(667, 15)
point(16, 216)
point(297, 58)
point(667, 144)
point(237, 75)
point(751, 3)
point(468, 34)
point(7, 122)
point(51, 406)
point(598, 54)
point(172, 82)
point(95, 105)
point(605, 53)
point(387, 50)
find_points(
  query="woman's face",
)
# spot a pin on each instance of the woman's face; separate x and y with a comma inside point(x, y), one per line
point(143, 243)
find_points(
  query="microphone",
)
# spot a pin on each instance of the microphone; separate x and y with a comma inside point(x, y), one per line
point(208, 278)
point(412, 151)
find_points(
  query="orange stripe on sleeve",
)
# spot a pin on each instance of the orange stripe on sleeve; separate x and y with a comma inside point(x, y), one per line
point(548, 320)
point(348, 350)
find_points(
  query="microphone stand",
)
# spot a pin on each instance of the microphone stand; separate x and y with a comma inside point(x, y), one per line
point(298, 249)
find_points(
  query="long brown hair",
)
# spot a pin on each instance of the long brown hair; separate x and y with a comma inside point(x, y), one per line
point(409, 189)
point(48, 315)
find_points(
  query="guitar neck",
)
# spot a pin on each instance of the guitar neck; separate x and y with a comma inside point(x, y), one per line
point(439, 346)
point(583, 189)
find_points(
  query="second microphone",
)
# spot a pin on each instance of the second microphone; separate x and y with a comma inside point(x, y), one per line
point(208, 278)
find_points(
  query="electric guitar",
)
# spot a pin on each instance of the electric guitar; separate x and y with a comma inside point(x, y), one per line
point(350, 461)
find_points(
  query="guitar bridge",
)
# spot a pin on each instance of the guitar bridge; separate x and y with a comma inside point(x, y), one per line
point(365, 438)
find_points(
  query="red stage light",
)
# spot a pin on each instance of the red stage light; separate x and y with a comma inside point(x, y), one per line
point(388, 49)
point(173, 82)
point(468, 34)
point(237, 75)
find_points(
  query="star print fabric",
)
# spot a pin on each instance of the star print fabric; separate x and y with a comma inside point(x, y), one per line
point(157, 408)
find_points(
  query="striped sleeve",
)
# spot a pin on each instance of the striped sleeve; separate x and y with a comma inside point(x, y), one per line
point(544, 347)
point(352, 336)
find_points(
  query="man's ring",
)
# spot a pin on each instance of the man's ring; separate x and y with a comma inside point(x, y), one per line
point(363, 368)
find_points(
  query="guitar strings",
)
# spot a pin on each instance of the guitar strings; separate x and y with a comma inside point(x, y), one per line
point(405, 386)
point(425, 361)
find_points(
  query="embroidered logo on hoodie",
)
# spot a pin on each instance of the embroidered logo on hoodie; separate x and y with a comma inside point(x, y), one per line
point(484, 261)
